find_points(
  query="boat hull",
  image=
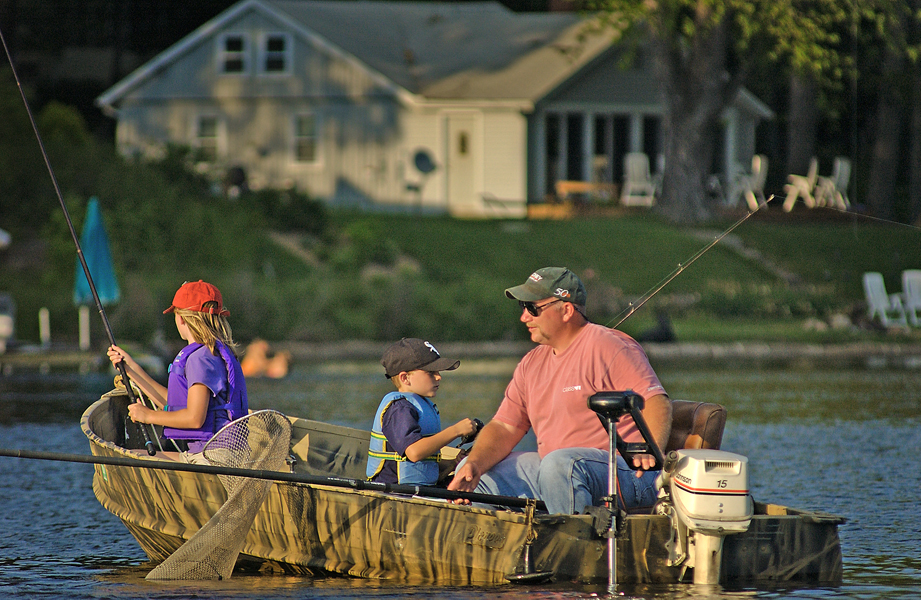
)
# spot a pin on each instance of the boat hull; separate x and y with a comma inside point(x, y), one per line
point(319, 529)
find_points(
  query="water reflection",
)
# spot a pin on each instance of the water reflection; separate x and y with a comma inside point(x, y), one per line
point(821, 439)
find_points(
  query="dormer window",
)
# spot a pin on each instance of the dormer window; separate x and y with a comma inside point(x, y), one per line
point(232, 53)
point(275, 53)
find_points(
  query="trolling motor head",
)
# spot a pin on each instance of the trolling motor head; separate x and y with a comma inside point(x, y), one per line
point(611, 406)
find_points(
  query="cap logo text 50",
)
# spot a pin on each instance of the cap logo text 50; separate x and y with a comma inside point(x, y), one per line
point(562, 293)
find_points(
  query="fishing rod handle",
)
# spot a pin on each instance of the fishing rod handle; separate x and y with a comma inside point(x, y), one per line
point(148, 443)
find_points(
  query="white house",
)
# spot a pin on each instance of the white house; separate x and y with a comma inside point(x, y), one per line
point(467, 108)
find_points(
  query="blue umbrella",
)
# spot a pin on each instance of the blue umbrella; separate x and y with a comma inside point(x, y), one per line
point(95, 245)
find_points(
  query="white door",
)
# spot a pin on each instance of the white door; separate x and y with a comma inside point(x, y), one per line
point(463, 145)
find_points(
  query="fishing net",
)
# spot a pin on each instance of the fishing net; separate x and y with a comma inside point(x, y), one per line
point(257, 441)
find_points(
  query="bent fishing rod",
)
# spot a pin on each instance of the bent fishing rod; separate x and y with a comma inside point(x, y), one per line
point(632, 308)
point(86, 269)
point(341, 482)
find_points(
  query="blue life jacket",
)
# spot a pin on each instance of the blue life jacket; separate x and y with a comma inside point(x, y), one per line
point(424, 471)
point(221, 410)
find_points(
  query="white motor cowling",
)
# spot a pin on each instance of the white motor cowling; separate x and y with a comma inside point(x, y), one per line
point(705, 493)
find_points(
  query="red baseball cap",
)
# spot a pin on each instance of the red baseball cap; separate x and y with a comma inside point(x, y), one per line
point(194, 294)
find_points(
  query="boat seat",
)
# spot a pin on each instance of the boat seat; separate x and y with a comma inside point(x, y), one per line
point(696, 425)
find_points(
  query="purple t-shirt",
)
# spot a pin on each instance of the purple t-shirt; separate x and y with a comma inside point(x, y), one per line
point(400, 424)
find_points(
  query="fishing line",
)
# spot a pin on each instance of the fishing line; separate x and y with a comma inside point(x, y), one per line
point(858, 215)
point(632, 308)
point(86, 270)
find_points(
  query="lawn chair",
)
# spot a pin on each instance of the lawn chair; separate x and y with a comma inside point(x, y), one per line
point(832, 191)
point(911, 291)
point(801, 186)
point(888, 307)
point(750, 185)
point(638, 189)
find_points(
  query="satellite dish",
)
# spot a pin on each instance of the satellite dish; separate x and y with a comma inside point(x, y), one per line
point(423, 161)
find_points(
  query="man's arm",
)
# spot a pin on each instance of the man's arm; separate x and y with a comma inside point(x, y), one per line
point(494, 442)
point(657, 413)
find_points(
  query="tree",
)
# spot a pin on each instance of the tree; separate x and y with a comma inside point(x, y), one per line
point(703, 51)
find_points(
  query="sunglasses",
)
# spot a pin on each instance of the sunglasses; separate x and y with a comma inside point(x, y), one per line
point(533, 309)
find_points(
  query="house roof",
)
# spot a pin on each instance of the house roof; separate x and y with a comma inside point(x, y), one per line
point(433, 50)
point(453, 50)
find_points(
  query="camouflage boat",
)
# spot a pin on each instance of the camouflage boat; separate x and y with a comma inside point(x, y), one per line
point(316, 528)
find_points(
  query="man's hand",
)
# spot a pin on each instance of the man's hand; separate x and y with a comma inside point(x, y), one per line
point(465, 480)
point(643, 462)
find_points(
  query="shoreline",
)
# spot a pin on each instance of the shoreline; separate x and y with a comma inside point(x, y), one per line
point(753, 353)
point(870, 354)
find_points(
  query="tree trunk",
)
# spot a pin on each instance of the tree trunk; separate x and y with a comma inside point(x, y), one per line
point(802, 126)
point(914, 160)
point(885, 163)
point(697, 89)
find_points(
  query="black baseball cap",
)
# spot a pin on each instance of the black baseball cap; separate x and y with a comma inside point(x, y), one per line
point(411, 354)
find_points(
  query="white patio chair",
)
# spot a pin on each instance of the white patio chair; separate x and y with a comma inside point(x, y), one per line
point(888, 307)
point(911, 292)
point(832, 191)
point(801, 186)
point(750, 185)
point(638, 189)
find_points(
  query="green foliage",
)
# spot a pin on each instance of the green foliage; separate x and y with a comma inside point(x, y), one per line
point(289, 210)
point(382, 277)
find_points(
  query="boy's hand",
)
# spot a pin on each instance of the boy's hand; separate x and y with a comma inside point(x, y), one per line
point(467, 439)
point(465, 427)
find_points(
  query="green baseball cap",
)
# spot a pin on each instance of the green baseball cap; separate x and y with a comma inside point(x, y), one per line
point(550, 282)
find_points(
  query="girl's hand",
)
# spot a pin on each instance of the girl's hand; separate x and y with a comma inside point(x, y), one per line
point(139, 413)
point(117, 355)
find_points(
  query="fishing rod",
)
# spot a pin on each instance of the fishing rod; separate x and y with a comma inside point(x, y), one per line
point(632, 308)
point(86, 269)
point(341, 482)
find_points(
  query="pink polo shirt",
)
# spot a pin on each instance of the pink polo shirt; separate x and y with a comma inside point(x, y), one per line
point(550, 392)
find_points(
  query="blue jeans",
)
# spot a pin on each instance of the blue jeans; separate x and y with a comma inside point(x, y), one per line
point(567, 480)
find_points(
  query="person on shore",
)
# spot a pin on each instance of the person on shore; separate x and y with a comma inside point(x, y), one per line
point(406, 435)
point(206, 387)
point(549, 392)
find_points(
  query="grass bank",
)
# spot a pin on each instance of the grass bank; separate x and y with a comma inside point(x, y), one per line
point(779, 277)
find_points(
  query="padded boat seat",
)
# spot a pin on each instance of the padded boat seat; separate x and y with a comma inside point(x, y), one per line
point(696, 425)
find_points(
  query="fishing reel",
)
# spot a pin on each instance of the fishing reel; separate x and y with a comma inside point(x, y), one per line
point(468, 439)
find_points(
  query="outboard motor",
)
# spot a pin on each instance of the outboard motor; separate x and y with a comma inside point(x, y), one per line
point(705, 494)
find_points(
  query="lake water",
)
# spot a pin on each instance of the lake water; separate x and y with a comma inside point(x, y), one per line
point(840, 440)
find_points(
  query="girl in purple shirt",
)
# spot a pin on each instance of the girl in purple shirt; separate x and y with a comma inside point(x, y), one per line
point(206, 389)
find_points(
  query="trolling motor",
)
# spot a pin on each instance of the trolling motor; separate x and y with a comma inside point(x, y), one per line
point(610, 519)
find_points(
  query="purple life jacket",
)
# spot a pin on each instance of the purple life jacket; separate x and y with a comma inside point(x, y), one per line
point(232, 404)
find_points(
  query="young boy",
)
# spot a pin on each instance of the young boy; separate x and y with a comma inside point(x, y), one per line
point(406, 435)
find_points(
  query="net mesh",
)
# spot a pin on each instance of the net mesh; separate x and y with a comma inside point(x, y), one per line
point(257, 441)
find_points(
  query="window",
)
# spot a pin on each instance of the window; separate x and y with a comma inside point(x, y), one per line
point(305, 138)
point(232, 53)
point(206, 139)
point(275, 55)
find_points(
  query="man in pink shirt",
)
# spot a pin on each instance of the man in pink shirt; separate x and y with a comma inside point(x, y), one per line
point(549, 392)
